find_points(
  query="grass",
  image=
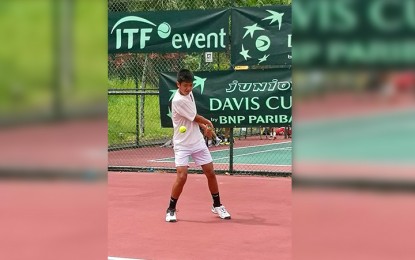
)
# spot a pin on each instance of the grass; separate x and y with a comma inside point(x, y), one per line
point(122, 119)
point(27, 56)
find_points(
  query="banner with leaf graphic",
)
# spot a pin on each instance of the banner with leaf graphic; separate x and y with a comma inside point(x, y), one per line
point(235, 98)
point(261, 36)
point(168, 31)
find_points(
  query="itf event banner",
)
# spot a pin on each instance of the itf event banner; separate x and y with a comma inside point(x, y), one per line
point(235, 98)
point(169, 31)
point(261, 35)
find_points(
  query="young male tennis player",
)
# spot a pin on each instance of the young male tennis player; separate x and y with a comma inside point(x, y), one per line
point(191, 143)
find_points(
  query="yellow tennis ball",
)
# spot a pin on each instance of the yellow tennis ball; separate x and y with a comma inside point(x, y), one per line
point(182, 129)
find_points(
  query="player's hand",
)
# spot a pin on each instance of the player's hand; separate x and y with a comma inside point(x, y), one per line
point(209, 124)
point(209, 132)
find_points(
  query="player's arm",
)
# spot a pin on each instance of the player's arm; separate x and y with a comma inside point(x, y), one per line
point(205, 124)
point(202, 121)
point(186, 110)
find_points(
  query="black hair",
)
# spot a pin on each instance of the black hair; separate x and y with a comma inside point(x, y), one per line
point(184, 75)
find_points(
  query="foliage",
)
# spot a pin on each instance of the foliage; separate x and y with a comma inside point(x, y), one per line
point(159, 5)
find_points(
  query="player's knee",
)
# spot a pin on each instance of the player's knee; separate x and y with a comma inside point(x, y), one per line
point(181, 179)
point(210, 173)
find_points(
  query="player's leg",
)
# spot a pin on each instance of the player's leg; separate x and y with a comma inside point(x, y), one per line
point(211, 177)
point(182, 162)
point(217, 207)
point(202, 157)
point(180, 181)
point(181, 177)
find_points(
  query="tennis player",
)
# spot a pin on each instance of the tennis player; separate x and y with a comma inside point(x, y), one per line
point(191, 143)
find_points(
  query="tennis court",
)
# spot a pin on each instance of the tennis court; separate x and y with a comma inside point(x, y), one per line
point(371, 144)
point(260, 227)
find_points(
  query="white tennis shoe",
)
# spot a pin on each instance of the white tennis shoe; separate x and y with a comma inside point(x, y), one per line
point(171, 215)
point(222, 212)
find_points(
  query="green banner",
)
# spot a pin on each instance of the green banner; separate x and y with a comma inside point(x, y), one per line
point(235, 98)
point(261, 36)
point(344, 34)
point(168, 31)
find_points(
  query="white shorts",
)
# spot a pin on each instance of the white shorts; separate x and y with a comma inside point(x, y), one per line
point(199, 152)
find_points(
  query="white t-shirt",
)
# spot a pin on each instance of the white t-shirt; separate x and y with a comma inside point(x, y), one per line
point(183, 113)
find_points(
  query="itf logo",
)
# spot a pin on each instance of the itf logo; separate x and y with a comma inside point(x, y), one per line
point(200, 32)
point(143, 33)
point(262, 42)
point(258, 37)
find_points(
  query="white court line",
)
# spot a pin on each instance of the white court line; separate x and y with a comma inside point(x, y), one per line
point(240, 164)
point(122, 258)
point(341, 118)
point(253, 164)
point(245, 147)
point(285, 148)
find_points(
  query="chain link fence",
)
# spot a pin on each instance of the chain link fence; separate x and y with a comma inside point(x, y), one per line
point(136, 140)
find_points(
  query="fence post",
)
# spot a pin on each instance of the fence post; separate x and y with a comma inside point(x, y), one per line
point(231, 151)
point(142, 97)
point(62, 15)
point(137, 122)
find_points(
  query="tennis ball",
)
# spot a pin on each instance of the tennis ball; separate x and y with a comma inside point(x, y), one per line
point(182, 129)
point(262, 43)
point(164, 30)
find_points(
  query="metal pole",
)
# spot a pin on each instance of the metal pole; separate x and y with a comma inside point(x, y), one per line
point(142, 97)
point(231, 151)
point(62, 15)
point(137, 123)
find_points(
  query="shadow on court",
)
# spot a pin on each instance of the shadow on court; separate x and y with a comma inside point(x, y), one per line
point(251, 221)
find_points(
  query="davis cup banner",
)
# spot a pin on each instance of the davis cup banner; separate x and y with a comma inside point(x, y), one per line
point(195, 31)
point(235, 98)
point(261, 35)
